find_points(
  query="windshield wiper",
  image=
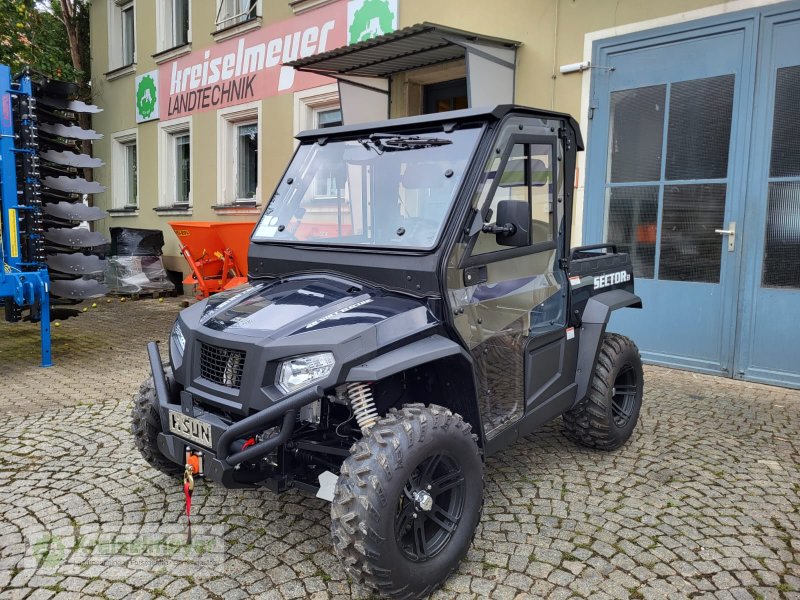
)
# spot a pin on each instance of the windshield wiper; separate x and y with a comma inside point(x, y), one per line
point(390, 142)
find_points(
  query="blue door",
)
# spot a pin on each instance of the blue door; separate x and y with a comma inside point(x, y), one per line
point(668, 142)
point(769, 347)
point(694, 169)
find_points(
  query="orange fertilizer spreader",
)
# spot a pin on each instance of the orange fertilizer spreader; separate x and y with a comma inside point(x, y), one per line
point(216, 253)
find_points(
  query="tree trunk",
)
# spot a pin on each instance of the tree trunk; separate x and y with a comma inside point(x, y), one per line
point(71, 25)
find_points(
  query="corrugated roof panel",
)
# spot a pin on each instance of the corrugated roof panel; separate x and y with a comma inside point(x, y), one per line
point(409, 48)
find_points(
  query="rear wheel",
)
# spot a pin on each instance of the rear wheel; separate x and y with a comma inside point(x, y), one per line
point(146, 425)
point(408, 501)
point(606, 418)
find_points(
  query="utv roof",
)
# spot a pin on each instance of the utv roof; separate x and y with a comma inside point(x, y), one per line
point(454, 116)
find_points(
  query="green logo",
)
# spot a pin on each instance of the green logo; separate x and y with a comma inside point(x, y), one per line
point(371, 19)
point(49, 551)
point(146, 97)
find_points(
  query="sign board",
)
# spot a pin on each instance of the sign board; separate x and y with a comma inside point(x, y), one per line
point(147, 97)
point(250, 67)
point(367, 19)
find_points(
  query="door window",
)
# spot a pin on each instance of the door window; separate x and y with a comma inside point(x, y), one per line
point(448, 95)
point(681, 179)
point(782, 242)
point(526, 177)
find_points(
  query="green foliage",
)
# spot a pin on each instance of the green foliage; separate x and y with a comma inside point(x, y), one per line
point(33, 33)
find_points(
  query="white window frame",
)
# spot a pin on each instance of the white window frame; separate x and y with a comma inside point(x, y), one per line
point(165, 26)
point(228, 121)
point(167, 169)
point(309, 103)
point(116, 38)
point(221, 22)
point(120, 177)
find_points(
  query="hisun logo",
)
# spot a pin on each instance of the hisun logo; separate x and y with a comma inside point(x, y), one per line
point(610, 279)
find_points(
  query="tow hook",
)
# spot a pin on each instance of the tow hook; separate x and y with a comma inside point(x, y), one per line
point(194, 466)
point(188, 488)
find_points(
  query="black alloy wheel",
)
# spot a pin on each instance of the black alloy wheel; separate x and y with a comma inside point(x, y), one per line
point(606, 417)
point(408, 500)
point(430, 507)
point(623, 399)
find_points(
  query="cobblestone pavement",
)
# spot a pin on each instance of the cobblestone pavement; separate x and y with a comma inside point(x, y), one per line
point(98, 355)
point(703, 502)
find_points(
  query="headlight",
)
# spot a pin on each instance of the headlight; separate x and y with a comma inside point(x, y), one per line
point(177, 336)
point(304, 370)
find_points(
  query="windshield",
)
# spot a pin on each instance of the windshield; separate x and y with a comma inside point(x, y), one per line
point(384, 190)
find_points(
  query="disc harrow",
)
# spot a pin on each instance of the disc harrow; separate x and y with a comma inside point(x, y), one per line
point(50, 255)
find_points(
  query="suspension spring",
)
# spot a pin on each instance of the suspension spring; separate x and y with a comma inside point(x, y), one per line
point(363, 405)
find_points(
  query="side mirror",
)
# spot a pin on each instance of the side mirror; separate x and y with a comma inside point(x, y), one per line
point(513, 224)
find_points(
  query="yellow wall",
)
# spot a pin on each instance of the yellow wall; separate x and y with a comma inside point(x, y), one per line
point(551, 31)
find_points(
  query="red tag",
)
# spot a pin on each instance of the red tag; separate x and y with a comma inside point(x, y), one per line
point(188, 493)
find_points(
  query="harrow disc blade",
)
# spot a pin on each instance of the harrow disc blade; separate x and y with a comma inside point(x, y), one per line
point(77, 289)
point(71, 105)
point(74, 132)
point(76, 264)
point(70, 159)
point(75, 238)
point(73, 185)
point(73, 211)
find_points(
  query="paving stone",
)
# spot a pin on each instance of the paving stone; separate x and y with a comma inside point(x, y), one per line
point(700, 503)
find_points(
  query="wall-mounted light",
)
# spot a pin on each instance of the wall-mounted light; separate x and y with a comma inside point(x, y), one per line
point(580, 67)
point(577, 67)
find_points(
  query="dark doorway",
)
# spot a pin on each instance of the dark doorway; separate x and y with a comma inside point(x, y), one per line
point(448, 95)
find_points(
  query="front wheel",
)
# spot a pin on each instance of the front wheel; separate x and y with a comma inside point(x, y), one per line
point(146, 425)
point(606, 418)
point(408, 501)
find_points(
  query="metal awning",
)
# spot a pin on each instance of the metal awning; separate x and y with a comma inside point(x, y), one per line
point(420, 45)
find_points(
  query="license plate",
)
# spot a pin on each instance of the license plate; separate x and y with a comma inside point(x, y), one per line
point(190, 428)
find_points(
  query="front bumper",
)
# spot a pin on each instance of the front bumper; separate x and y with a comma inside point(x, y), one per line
point(221, 463)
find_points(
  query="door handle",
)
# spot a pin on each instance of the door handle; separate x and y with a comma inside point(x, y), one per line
point(731, 233)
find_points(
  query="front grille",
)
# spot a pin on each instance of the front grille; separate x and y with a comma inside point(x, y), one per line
point(222, 365)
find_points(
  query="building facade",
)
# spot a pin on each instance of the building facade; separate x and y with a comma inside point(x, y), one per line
point(688, 108)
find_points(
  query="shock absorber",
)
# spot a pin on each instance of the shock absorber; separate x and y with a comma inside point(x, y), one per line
point(363, 405)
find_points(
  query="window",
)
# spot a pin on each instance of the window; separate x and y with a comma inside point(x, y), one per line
point(395, 192)
point(232, 12)
point(526, 177)
point(128, 36)
point(247, 161)
point(121, 34)
point(182, 168)
point(317, 108)
point(238, 171)
point(174, 24)
point(175, 164)
point(125, 181)
point(448, 95)
point(330, 117)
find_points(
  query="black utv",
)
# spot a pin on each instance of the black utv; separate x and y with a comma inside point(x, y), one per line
point(413, 307)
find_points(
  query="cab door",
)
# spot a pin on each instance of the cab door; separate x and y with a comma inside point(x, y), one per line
point(510, 300)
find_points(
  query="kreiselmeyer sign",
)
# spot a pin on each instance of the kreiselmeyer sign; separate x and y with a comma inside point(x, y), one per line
point(249, 67)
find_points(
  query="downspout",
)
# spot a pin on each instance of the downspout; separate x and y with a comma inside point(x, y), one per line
point(555, 51)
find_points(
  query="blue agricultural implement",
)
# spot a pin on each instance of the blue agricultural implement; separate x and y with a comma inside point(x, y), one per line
point(48, 253)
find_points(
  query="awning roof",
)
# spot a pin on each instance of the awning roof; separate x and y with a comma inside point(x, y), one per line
point(413, 47)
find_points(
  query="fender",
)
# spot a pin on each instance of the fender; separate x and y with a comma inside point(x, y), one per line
point(595, 318)
point(417, 353)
